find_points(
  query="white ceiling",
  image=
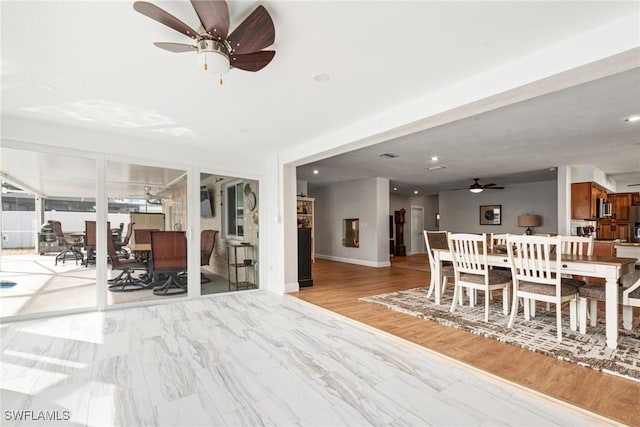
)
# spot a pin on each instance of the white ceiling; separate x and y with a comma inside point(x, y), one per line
point(92, 64)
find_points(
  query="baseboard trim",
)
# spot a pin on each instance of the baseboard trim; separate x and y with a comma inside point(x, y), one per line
point(291, 287)
point(355, 261)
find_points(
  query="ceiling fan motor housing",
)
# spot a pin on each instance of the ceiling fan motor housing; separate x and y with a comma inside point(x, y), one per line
point(213, 55)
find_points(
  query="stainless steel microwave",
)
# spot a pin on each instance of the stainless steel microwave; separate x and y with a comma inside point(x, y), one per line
point(603, 209)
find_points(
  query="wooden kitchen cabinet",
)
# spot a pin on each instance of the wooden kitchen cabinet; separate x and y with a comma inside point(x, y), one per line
point(584, 196)
point(611, 230)
point(620, 203)
point(635, 199)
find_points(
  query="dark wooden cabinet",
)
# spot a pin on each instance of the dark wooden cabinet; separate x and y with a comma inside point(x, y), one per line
point(584, 196)
point(620, 203)
point(304, 257)
point(611, 230)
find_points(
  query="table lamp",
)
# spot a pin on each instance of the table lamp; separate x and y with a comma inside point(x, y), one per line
point(529, 221)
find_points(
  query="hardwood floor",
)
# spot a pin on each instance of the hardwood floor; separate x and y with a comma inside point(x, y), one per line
point(338, 286)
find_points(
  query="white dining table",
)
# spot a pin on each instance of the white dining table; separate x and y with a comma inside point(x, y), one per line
point(608, 268)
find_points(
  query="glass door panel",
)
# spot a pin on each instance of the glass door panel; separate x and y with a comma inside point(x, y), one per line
point(229, 213)
point(47, 199)
point(148, 216)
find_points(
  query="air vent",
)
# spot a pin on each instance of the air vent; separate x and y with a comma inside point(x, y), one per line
point(435, 168)
point(388, 155)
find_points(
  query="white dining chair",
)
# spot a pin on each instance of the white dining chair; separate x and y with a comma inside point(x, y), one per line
point(588, 295)
point(498, 240)
point(471, 271)
point(630, 297)
point(437, 240)
point(534, 278)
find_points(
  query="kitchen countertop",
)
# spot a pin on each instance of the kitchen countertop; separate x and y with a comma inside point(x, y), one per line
point(637, 245)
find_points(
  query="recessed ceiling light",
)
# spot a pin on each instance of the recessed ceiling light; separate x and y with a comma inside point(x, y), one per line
point(415, 191)
point(315, 172)
point(245, 130)
point(633, 118)
point(321, 78)
point(395, 188)
point(434, 158)
point(552, 169)
point(435, 168)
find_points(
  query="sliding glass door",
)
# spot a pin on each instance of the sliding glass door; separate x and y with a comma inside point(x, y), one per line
point(47, 199)
point(148, 211)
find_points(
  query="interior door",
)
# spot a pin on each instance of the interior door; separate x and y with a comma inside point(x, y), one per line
point(417, 225)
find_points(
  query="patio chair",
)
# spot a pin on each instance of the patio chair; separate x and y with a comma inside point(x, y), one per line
point(71, 249)
point(207, 244)
point(168, 259)
point(124, 282)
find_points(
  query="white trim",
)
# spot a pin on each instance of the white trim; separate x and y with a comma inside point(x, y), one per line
point(291, 287)
point(355, 261)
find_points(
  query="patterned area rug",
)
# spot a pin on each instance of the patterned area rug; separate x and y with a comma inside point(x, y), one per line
point(539, 334)
point(419, 263)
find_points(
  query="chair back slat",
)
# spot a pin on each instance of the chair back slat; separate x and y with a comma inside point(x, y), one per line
point(531, 258)
point(577, 245)
point(469, 253)
point(498, 240)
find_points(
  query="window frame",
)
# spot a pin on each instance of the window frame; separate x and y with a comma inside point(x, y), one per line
point(238, 210)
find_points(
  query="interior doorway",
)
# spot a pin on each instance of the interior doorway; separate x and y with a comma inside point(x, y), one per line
point(417, 225)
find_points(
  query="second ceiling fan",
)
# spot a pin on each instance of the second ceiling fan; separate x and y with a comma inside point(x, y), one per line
point(217, 50)
point(476, 187)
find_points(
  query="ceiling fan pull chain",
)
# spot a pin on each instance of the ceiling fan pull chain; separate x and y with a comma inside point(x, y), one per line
point(220, 81)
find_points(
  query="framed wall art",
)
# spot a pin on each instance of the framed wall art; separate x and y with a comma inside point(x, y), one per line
point(491, 215)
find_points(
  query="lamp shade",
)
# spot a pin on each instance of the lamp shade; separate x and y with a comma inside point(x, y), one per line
point(529, 220)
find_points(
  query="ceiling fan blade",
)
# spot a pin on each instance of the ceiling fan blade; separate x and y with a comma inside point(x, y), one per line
point(255, 61)
point(488, 185)
point(154, 12)
point(494, 188)
point(633, 185)
point(176, 47)
point(214, 15)
point(254, 33)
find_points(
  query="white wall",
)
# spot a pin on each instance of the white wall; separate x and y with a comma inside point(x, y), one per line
point(366, 200)
point(459, 210)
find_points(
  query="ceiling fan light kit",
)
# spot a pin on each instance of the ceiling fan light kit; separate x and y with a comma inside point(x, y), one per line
point(213, 56)
point(218, 52)
point(476, 187)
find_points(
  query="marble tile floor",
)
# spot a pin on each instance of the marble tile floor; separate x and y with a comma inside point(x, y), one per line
point(248, 358)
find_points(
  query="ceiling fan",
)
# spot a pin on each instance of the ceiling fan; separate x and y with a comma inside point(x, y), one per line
point(150, 198)
point(217, 50)
point(476, 187)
